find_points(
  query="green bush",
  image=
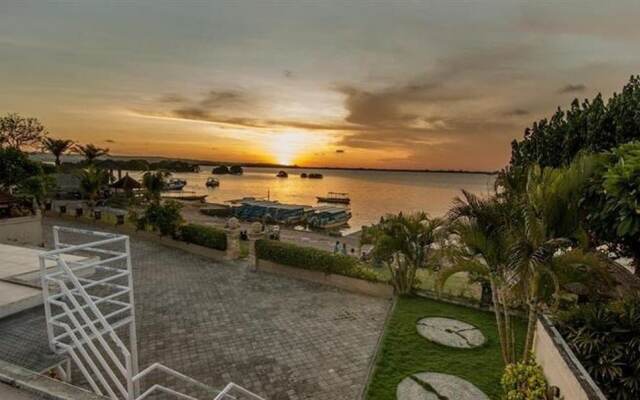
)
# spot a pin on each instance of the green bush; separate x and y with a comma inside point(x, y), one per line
point(204, 236)
point(312, 259)
point(606, 339)
point(164, 218)
point(524, 381)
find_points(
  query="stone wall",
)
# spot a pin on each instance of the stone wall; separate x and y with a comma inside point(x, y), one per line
point(375, 289)
point(561, 367)
point(22, 230)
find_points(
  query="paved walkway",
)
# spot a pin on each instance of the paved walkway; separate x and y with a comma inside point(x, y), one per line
point(279, 337)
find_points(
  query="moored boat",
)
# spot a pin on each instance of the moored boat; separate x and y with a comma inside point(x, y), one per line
point(282, 174)
point(175, 184)
point(213, 182)
point(335, 197)
point(326, 217)
point(315, 176)
point(303, 175)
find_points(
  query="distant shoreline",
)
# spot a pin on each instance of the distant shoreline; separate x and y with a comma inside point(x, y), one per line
point(66, 158)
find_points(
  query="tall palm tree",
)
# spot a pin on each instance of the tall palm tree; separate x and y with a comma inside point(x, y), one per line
point(57, 147)
point(91, 152)
point(549, 238)
point(480, 245)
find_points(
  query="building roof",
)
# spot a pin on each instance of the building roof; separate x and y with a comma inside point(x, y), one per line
point(126, 183)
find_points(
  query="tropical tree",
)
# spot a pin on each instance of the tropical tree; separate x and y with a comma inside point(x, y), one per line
point(549, 239)
point(57, 147)
point(591, 125)
point(404, 244)
point(15, 167)
point(17, 131)
point(91, 180)
point(36, 188)
point(613, 202)
point(480, 231)
point(154, 182)
point(91, 152)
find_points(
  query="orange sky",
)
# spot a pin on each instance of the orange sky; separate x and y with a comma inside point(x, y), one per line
point(361, 84)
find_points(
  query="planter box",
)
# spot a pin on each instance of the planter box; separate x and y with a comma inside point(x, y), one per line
point(361, 286)
point(561, 366)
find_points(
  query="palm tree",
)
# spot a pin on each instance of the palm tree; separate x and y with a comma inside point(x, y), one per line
point(91, 152)
point(57, 147)
point(91, 180)
point(404, 244)
point(480, 245)
point(154, 182)
point(550, 238)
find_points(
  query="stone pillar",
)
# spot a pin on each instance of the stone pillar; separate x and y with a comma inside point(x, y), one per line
point(232, 229)
point(255, 233)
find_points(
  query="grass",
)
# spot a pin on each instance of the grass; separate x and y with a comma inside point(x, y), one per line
point(404, 352)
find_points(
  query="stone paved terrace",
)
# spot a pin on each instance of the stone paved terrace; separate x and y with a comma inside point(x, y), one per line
point(279, 337)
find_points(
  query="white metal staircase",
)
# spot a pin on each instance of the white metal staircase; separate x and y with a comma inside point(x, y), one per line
point(84, 315)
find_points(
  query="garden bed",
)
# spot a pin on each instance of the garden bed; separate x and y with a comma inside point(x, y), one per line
point(404, 352)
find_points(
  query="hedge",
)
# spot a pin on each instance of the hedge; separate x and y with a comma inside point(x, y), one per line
point(312, 259)
point(204, 236)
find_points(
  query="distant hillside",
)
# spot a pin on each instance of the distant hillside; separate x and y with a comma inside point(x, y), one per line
point(72, 158)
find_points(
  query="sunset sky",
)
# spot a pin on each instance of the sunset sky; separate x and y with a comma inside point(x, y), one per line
point(433, 84)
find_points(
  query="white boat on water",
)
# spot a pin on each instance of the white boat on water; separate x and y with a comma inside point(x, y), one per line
point(213, 182)
point(175, 184)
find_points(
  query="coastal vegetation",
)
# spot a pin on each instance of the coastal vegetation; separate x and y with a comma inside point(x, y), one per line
point(403, 243)
point(313, 259)
point(606, 338)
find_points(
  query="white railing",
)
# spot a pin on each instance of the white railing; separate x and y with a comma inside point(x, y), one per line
point(86, 301)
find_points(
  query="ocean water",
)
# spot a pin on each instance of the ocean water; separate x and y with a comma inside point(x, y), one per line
point(372, 193)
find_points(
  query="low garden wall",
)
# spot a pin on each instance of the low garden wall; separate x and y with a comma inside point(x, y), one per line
point(561, 367)
point(319, 266)
point(376, 289)
point(22, 230)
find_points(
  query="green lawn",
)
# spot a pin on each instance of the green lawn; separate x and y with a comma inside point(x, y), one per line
point(404, 352)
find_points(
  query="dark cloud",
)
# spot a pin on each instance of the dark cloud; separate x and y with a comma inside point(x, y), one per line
point(571, 88)
point(339, 151)
point(516, 112)
point(109, 141)
point(172, 98)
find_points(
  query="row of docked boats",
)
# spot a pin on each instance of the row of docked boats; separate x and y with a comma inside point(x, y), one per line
point(269, 211)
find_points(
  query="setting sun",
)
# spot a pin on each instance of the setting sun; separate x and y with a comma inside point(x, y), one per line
point(288, 148)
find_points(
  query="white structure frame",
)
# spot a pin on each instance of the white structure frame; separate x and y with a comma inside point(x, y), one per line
point(79, 326)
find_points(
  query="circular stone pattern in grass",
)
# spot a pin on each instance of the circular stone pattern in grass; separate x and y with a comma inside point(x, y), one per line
point(434, 386)
point(450, 332)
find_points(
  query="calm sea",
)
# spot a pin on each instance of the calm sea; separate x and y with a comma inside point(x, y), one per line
point(372, 193)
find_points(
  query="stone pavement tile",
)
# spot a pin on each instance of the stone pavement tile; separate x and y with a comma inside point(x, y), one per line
point(282, 338)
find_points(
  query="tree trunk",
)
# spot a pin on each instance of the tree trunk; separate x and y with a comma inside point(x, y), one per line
point(499, 321)
point(531, 328)
point(486, 296)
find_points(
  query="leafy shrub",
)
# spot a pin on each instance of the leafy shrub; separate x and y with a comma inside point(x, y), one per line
point(524, 381)
point(164, 218)
point(312, 259)
point(204, 236)
point(606, 339)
